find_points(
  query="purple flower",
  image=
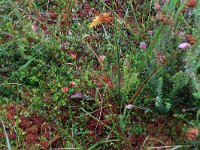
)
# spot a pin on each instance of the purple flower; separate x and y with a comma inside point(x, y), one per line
point(129, 106)
point(150, 33)
point(143, 45)
point(184, 45)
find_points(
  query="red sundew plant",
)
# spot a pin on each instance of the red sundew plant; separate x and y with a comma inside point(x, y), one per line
point(72, 84)
point(31, 139)
point(65, 89)
point(192, 133)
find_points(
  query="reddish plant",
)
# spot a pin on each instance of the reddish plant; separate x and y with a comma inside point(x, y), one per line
point(192, 133)
point(72, 84)
point(192, 3)
point(12, 136)
point(44, 144)
point(65, 89)
point(191, 39)
point(36, 120)
point(25, 124)
point(31, 139)
point(32, 130)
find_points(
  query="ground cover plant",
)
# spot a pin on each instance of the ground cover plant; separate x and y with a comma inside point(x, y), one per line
point(108, 74)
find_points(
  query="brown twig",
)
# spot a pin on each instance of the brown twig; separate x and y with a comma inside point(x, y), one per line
point(144, 83)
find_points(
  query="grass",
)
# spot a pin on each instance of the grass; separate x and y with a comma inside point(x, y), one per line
point(65, 85)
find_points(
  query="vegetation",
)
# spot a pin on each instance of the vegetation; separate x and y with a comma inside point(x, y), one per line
point(105, 74)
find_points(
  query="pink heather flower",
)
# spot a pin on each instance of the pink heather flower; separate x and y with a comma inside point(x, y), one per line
point(65, 89)
point(143, 45)
point(129, 106)
point(150, 33)
point(184, 45)
point(102, 58)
